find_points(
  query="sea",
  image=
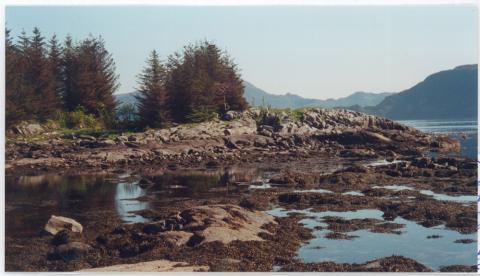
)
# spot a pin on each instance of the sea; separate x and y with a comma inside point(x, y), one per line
point(466, 131)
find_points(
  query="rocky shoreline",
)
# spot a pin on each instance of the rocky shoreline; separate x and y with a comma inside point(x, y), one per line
point(240, 137)
point(324, 149)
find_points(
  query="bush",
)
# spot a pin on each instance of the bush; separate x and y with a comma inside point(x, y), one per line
point(78, 119)
point(108, 119)
point(202, 114)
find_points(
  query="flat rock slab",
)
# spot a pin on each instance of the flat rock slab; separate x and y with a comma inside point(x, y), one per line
point(226, 223)
point(153, 266)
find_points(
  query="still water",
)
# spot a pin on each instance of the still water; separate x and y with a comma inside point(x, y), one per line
point(412, 242)
point(466, 131)
point(31, 200)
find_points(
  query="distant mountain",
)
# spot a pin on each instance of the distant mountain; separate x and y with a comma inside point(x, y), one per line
point(449, 94)
point(257, 97)
point(126, 98)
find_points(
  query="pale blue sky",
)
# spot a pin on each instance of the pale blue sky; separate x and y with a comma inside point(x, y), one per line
point(317, 52)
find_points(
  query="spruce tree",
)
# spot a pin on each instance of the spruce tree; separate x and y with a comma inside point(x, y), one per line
point(89, 77)
point(56, 66)
point(202, 80)
point(152, 98)
point(15, 109)
point(39, 77)
point(70, 94)
point(19, 92)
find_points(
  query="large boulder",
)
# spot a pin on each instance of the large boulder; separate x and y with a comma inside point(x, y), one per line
point(58, 223)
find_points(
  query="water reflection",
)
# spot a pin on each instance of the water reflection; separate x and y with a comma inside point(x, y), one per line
point(126, 202)
point(412, 243)
point(31, 200)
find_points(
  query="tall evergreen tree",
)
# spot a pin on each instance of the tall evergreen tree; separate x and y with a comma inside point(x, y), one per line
point(203, 79)
point(41, 76)
point(15, 109)
point(56, 66)
point(19, 92)
point(38, 75)
point(151, 102)
point(178, 87)
point(90, 78)
point(70, 94)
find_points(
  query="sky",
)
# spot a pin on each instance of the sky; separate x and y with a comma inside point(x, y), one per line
point(313, 51)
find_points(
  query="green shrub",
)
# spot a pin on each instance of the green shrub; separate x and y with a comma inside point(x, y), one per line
point(202, 114)
point(108, 119)
point(78, 119)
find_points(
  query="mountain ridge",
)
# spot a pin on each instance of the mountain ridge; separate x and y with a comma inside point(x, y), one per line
point(257, 97)
point(447, 94)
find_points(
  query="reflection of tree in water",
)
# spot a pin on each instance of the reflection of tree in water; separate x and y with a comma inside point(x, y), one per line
point(225, 179)
point(68, 195)
point(238, 174)
point(67, 192)
point(129, 190)
point(125, 202)
point(193, 183)
point(186, 184)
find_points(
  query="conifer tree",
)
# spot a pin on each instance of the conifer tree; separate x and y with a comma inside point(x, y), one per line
point(151, 102)
point(19, 92)
point(38, 75)
point(42, 78)
point(201, 80)
point(15, 108)
point(90, 79)
point(56, 66)
point(70, 66)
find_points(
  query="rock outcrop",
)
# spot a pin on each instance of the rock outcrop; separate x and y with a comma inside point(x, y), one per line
point(225, 223)
point(254, 130)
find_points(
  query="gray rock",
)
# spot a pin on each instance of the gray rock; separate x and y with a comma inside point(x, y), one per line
point(231, 115)
point(28, 129)
point(58, 223)
point(261, 142)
